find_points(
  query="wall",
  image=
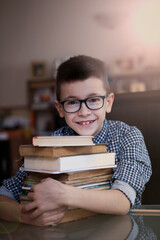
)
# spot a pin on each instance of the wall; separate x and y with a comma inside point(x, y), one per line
point(47, 29)
point(143, 111)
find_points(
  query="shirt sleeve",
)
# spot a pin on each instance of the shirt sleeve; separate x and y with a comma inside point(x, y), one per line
point(4, 191)
point(12, 187)
point(133, 162)
point(124, 187)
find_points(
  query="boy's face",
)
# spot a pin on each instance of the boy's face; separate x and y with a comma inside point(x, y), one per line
point(85, 122)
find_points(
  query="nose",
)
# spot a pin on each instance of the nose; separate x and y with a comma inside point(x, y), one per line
point(84, 110)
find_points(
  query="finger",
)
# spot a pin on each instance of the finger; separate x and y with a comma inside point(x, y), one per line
point(59, 210)
point(59, 217)
point(55, 212)
point(30, 206)
point(52, 219)
point(30, 195)
point(37, 212)
point(44, 179)
point(22, 207)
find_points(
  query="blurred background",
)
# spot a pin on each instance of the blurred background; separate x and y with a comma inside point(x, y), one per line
point(37, 35)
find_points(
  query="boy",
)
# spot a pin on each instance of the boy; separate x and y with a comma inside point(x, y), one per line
point(83, 99)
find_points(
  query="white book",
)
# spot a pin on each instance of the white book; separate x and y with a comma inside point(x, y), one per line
point(69, 163)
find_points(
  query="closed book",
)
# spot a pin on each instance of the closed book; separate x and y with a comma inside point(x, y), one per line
point(86, 175)
point(89, 174)
point(62, 141)
point(29, 150)
point(33, 178)
point(69, 163)
point(76, 182)
point(76, 214)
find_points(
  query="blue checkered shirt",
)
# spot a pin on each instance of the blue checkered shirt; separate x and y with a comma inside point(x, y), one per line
point(133, 163)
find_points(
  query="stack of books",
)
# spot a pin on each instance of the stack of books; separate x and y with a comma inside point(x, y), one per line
point(72, 160)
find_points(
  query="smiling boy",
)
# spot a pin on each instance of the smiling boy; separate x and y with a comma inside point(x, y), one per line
point(84, 121)
point(83, 99)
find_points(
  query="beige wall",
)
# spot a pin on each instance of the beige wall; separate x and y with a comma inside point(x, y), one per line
point(47, 29)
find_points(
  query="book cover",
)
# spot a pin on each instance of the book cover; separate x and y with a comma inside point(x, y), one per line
point(86, 175)
point(32, 178)
point(69, 162)
point(29, 150)
point(89, 174)
point(62, 141)
point(76, 214)
point(66, 171)
point(89, 180)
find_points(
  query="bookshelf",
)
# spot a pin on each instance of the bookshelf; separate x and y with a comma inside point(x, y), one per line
point(10, 140)
point(41, 95)
point(141, 81)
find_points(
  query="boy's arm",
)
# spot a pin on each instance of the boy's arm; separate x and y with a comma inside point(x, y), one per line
point(9, 209)
point(12, 211)
point(106, 201)
point(51, 194)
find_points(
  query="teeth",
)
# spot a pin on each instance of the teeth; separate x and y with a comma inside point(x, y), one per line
point(85, 123)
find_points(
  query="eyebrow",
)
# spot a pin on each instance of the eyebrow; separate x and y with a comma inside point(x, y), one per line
point(75, 97)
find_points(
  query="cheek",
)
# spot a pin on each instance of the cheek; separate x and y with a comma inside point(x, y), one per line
point(102, 113)
point(68, 117)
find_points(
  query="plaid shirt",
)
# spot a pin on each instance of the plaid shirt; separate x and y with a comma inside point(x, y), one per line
point(139, 230)
point(132, 159)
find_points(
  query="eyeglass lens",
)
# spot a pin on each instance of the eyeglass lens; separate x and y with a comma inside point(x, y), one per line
point(92, 103)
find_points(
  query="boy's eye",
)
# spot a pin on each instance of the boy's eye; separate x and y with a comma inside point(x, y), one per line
point(94, 100)
point(72, 102)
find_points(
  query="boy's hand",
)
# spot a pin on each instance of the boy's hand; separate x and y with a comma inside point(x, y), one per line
point(44, 219)
point(35, 232)
point(46, 196)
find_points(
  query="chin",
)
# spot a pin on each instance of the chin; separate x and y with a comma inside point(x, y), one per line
point(85, 133)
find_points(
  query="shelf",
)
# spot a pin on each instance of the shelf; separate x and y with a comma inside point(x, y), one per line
point(135, 81)
point(42, 107)
point(10, 143)
point(42, 83)
point(41, 95)
point(138, 97)
point(136, 74)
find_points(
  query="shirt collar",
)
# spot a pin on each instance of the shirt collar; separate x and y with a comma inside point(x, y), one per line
point(102, 136)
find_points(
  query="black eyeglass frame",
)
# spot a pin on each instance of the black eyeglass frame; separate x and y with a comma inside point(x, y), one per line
point(81, 101)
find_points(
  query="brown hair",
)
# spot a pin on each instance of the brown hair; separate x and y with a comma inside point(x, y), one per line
point(79, 68)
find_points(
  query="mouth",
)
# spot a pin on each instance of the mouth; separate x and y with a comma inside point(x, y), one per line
point(86, 123)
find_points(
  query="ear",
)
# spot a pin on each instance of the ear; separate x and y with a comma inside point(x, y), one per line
point(109, 102)
point(59, 108)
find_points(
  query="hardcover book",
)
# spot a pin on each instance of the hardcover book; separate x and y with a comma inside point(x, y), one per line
point(29, 150)
point(67, 163)
point(62, 141)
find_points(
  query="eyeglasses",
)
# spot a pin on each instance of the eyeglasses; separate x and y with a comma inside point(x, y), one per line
point(74, 105)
